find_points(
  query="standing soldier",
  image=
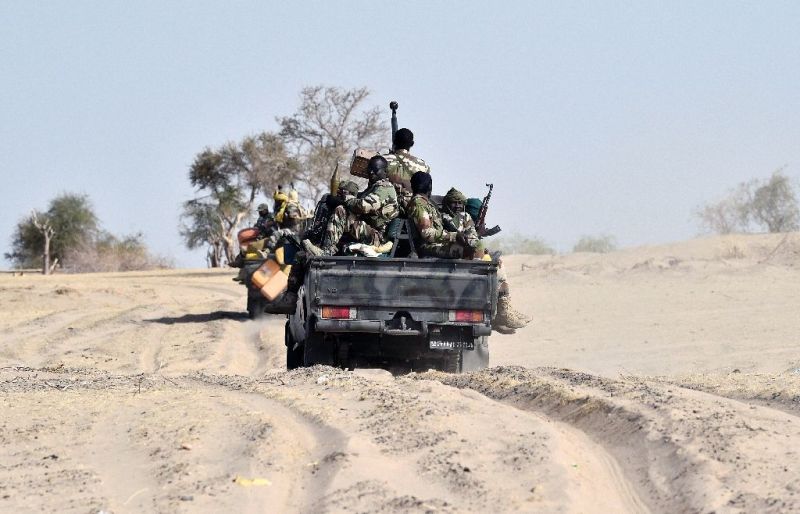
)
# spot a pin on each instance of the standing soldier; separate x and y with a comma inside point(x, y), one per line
point(402, 165)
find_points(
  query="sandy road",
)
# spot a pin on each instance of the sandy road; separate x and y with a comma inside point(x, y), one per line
point(154, 392)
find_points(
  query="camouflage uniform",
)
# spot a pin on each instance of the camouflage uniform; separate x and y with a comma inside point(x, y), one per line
point(401, 166)
point(461, 222)
point(507, 319)
point(434, 240)
point(364, 217)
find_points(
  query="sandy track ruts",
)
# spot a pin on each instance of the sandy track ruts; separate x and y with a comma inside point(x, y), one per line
point(327, 440)
point(691, 451)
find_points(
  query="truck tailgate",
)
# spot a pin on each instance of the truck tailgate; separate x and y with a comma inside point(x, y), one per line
point(403, 283)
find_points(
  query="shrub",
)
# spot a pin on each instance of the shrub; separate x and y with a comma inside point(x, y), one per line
point(774, 205)
point(595, 244)
point(768, 205)
point(521, 245)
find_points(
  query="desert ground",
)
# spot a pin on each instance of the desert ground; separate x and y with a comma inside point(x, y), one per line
point(653, 379)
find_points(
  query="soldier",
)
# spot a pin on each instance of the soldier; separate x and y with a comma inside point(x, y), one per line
point(452, 234)
point(402, 165)
point(434, 239)
point(291, 214)
point(457, 219)
point(322, 214)
point(362, 218)
point(266, 221)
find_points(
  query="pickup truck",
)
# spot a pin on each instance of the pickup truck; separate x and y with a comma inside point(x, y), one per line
point(400, 314)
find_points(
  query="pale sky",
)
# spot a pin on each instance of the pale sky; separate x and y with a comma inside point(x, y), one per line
point(589, 117)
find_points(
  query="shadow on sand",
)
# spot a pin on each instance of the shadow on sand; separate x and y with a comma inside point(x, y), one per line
point(201, 318)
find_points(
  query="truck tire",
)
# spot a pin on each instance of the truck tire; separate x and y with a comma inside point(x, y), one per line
point(316, 350)
point(477, 359)
point(294, 356)
point(255, 307)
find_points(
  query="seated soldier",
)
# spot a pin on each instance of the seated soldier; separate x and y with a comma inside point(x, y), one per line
point(456, 218)
point(322, 214)
point(433, 240)
point(362, 218)
point(292, 215)
point(437, 241)
point(266, 222)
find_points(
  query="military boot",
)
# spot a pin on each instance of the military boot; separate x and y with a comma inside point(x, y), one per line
point(286, 304)
point(508, 319)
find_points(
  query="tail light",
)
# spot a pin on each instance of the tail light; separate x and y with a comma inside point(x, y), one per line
point(465, 316)
point(338, 312)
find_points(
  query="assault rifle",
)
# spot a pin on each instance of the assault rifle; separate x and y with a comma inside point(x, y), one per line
point(480, 226)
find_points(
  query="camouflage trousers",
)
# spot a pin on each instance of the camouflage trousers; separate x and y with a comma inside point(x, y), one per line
point(343, 223)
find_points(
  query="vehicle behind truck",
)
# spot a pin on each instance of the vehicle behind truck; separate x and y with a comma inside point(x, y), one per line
point(400, 314)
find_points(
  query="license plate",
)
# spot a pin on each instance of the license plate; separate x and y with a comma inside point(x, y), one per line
point(443, 344)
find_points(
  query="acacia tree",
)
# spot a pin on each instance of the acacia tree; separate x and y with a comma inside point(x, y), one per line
point(228, 180)
point(329, 124)
point(47, 237)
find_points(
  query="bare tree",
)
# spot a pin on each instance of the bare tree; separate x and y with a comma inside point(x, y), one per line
point(329, 124)
point(730, 214)
point(769, 205)
point(46, 229)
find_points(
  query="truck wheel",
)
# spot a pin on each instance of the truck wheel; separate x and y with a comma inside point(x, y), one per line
point(255, 307)
point(477, 359)
point(316, 350)
point(294, 356)
point(451, 362)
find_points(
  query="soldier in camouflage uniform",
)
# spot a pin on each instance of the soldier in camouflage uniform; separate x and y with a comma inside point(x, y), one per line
point(363, 218)
point(456, 218)
point(402, 165)
point(322, 214)
point(434, 240)
point(462, 239)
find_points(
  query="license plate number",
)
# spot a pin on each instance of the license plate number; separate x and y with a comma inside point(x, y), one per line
point(441, 344)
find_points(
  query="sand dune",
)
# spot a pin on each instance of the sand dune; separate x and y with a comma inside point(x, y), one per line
point(662, 378)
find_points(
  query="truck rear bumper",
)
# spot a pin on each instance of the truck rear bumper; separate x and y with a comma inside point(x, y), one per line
point(380, 327)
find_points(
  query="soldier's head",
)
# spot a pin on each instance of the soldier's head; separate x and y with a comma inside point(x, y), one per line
point(263, 209)
point(403, 139)
point(377, 167)
point(454, 201)
point(421, 183)
point(347, 189)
